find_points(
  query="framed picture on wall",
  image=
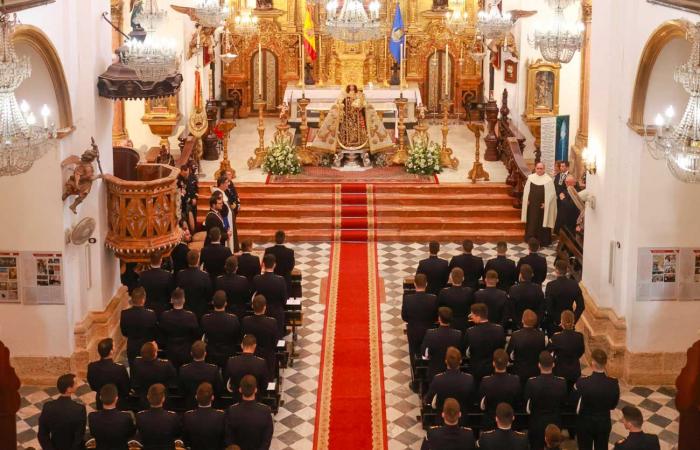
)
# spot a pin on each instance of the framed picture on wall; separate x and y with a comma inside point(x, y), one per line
point(510, 74)
point(686, 5)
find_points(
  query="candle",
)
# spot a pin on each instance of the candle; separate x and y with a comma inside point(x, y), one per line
point(45, 112)
point(301, 66)
point(447, 74)
point(260, 77)
point(401, 69)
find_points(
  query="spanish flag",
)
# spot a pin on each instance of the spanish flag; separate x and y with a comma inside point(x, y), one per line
point(309, 39)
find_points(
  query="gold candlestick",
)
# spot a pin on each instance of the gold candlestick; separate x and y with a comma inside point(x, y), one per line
point(226, 125)
point(477, 172)
point(306, 156)
point(446, 159)
point(260, 152)
point(401, 154)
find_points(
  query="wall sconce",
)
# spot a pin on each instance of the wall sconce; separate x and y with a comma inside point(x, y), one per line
point(589, 160)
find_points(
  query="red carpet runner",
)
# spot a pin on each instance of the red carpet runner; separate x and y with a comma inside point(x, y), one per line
point(350, 405)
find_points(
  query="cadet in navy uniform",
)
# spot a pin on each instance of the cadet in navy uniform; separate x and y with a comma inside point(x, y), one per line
point(274, 288)
point(203, 427)
point(237, 288)
point(222, 331)
point(501, 387)
point(196, 284)
point(449, 436)
point(106, 371)
point(157, 428)
point(481, 340)
point(264, 329)
point(437, 340)
point(525, 346)
point(284, 258)
point(248, 264)
point(138, 324)
point(62, 421)
point(180, 329)
point(149, 370)
point(503, 437)
point(435, 269)
point(198, 372)
point(534, 260)
point(215, 254)
point(599, 394)
point(246, 364)
point(249, 423)
point(458, 298)
point(111, 428)
point(636, 440)
point(561, 294)
point(418, 311)
point(452, 383)
point(472, 266)
point(568, 347)
point(526, 295)
point(158, 284)
point(505, 267)
point(495, 299)
point(544, 397)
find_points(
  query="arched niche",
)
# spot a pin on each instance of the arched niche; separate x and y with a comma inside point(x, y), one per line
point(657, 42)
point(32, 42)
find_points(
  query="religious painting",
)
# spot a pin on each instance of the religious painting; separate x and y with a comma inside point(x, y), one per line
point(685, 5)
point(268, 88)
point(511, 71)
point(439, 80)
point(542, 90)
point(561, 149)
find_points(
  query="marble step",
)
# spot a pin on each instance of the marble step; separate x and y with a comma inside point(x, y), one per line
point(480, 235)
point(401, 223)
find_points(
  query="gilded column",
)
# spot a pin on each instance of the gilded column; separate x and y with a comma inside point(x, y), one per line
point(119, 134)
point(582, 134)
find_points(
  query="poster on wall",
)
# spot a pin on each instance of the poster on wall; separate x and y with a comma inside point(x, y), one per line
point(668, 274)
point(561, 152)
point(548, 142)
point(42, 278)
point(9, 277)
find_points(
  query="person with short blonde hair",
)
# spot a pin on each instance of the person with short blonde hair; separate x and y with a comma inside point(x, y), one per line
point(525, 346)
point(568, 347)
point(450, 435)
point(157, 428)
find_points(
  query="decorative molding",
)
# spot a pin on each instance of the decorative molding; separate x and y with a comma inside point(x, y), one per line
point(10, 6)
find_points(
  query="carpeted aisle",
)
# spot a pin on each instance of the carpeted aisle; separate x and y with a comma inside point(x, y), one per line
point(350, 406)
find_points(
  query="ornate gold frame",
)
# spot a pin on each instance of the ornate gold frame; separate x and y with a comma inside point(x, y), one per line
point(532, 70)
point(665, 33)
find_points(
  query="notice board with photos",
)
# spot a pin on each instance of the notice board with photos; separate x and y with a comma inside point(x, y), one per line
point(32, 278)
point(668, 274)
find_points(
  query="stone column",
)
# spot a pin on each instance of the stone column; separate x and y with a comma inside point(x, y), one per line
point(582, 135)
point(120, 137)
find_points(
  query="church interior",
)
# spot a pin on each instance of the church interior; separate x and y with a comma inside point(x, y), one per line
point(349, 224)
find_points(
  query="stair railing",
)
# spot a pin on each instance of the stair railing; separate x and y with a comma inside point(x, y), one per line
point(511, 144)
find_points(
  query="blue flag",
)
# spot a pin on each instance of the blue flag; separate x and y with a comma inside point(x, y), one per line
point(398, 37)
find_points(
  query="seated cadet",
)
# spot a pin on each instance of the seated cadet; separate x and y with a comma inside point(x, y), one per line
point(246, 364)
point(481, 340)
point(472, 266)
point(149, 370)
point(249, 423)
point(636, 440)
point(435, 269)
point(138, 325)
point(438, 340)
point(197, 372)
point(458, 298)
point(561, 294)
point(237, 288)
point(504, 267)
point(526, 295)
point(567, 347)
point(62, 421)
point(196, 284)
point(158, 284)
point(214, 255)
point(222, 331)
point(452, 383)
point(599, 394)
point(503, 437)
point(248, 264)
point(111, 428)
point(264, 329)
point(501, 387)
point(495, 299)
point(534, 260)
point(451, 435)
point(203, 427)
point(419, 311)
point(274, 288)
point(106, 371)
point(284, 257)
point(157, 428)
point(179, 329)
point(525, 346)
point(552, 437)
point(544, 398)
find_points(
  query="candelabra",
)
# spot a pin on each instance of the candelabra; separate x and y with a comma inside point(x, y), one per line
point(225, 125)
point(306, 156)
point(401, 154)
point(260, 152)
point(477, 172)
point(446, 159)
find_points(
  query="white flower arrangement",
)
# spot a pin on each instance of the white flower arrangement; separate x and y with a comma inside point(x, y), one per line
point(424, 158)
point(281, 158)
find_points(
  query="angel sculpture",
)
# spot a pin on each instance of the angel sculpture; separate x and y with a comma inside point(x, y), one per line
point(80, 182)
point(284, 112)
point(203, 37)
point(136, 8)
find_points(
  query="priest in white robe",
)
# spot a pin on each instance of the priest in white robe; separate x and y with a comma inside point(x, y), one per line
point(539, 206)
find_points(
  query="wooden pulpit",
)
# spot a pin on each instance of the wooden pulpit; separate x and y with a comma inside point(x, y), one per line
point(688, 401)
point(9, 400)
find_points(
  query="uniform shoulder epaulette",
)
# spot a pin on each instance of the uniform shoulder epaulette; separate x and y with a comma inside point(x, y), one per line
point(170, 412)
point(219, 410)
point(487, 432)
point(532, 378)
point(439, 374)
point(149, 309)
point(621, 441)
point(519, 433)
point(119, 364)
point(466, 428)
point(190, 411)
point(486, 377)
point(141, 412)
point(435, 426)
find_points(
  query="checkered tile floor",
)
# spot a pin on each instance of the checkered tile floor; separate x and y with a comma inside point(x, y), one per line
point(294, 423)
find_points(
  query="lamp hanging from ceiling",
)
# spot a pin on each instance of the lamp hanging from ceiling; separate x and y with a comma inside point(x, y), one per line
point(210, 13)
point(492, 23)
point(245, 22)
point(457, 20)
point(352, 23)
point(559, 39)
point(151, 14)
point(153, 59)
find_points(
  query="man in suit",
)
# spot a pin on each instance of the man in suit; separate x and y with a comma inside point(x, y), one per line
point(188, 186)
point(196, 284)
point(197, 372)
point(138, 324)
point(234, 204)
point(560, 190)
point(157, 428)
point(598, 395)
point(561, 294)
point(525, 346)
point(636, 439)
point(246, 364)
point(544, 398)
point(503, 437)
point(481, 340)
point(180, 329)
point(437, 340)
point(284, 258)
point(419, 311)
point(111, 428)
point(274, 288)
point(215, 217)
point(203, 427)
point(534, 260)
point(501, 387)
point(106, 371)
point(526, 295)
point(62, 421)
point(149, 370)
point(158, 284)
point(452, 383)
point(450, 435)
point(504, 267)
point(435, 268)
point(472, 266)
point(249, 423)
point(178, 256)
point(458, 298)
point(265, 330)
point(214, 255)
point(222, 331)
point(237, 288)
point(495, 299)
point(248, 263)
point(567, 211)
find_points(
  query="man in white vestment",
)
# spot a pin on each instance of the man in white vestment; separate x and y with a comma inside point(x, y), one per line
point(539, 210)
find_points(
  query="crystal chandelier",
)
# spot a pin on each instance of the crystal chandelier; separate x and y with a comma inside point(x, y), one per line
point(492, 23)
point(152, 60)
point(457, 20)
point(246, 23)
point(560, 39)
point(680, 145)
point(22, 141)
point(151, 14)
point(353, 24)
point(209, 13)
